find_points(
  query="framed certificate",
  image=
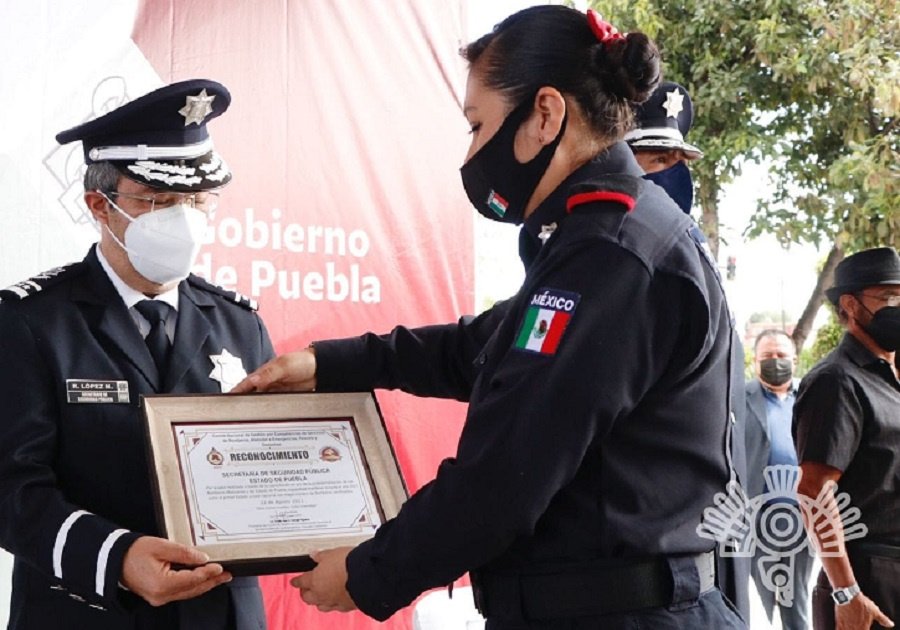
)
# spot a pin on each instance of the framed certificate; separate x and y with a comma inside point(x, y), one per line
point(259, 481)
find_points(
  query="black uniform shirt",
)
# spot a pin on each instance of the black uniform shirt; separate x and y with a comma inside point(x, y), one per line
point(847, 416)
point(598, 405)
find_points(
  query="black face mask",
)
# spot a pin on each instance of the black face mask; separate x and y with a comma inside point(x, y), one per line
point(776, 372)
point(676, 181)
point(498, 185)
point(884, 328)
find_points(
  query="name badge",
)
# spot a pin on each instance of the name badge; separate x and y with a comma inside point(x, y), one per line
point(82, 390)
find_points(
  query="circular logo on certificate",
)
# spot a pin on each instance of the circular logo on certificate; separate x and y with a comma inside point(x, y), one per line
point(215, 457)
point(329, 454)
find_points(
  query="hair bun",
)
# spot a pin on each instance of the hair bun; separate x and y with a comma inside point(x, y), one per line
point(628, 68)
point(582, 56)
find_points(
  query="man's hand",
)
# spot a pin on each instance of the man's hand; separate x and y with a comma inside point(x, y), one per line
point(859, 615)
point(147, 571)
point(291, 372)
point(325, 587)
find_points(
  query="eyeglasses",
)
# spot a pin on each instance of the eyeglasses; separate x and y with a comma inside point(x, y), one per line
point(890, 300)
point(205, 201)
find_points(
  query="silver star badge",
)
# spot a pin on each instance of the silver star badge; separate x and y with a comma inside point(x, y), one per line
point(229, 370)
point(674, 103)
point(196, 108)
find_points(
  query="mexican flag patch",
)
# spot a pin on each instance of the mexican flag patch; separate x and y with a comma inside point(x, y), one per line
point(546, 319)
point(497, 203)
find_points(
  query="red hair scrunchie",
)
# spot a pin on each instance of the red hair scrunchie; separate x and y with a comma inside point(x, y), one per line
point(603, 30)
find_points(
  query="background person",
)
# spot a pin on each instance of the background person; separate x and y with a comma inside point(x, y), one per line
point(847, 418)
point(598, 394)
point(80, 344)
point(770, 403)
point(659, 141)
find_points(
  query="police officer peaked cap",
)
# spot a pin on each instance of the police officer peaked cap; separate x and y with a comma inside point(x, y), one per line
point(662, 122)
point(160, 139)
point(868, 268)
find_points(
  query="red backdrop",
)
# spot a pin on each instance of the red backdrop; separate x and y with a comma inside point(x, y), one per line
point(346, 213)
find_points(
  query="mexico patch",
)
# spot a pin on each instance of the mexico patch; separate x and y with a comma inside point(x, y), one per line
point(546, 319)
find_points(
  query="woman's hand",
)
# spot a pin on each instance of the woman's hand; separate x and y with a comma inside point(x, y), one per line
point(325, 587)
point(291, 372)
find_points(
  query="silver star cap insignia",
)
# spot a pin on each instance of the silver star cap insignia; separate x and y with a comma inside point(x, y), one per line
point(674, 103)
point(196, 108)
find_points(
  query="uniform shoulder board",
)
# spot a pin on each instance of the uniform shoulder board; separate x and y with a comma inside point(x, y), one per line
point(39, 282)
point(232, 296)
point(619, 189)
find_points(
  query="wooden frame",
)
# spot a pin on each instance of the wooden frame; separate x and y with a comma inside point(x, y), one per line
point(259, 481)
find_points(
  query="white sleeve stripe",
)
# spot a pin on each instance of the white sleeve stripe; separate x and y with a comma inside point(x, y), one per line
point(103, 558)
point(60, 542)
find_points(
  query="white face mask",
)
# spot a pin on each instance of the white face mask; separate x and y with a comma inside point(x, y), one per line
point(162, 245)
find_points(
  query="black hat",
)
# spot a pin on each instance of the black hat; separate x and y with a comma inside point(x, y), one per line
point(868, 268)
point(663, 121)
point(160, 139)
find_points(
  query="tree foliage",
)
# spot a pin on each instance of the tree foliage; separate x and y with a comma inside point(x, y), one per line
point(837, 152)
point(811, 87)
point(710, 48)
point(827, 338)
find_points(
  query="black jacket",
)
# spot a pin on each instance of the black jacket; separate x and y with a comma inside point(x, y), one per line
point(757, 437)
point(597, 401)
point(74, 481)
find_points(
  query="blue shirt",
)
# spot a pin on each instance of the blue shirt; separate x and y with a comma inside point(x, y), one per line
point(778, 416)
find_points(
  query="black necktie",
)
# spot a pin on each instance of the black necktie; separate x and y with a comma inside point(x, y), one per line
point(155, 312)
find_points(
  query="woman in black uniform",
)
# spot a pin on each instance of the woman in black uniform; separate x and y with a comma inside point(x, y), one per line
point(598, 394)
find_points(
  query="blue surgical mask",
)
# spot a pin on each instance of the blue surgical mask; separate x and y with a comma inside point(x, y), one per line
point(676, 181)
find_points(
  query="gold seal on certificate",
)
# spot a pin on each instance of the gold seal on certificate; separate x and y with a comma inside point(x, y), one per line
point(259, 481)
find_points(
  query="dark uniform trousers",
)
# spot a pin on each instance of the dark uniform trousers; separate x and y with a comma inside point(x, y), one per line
point(74, 480)
point(562, 601)
point(704, 614)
